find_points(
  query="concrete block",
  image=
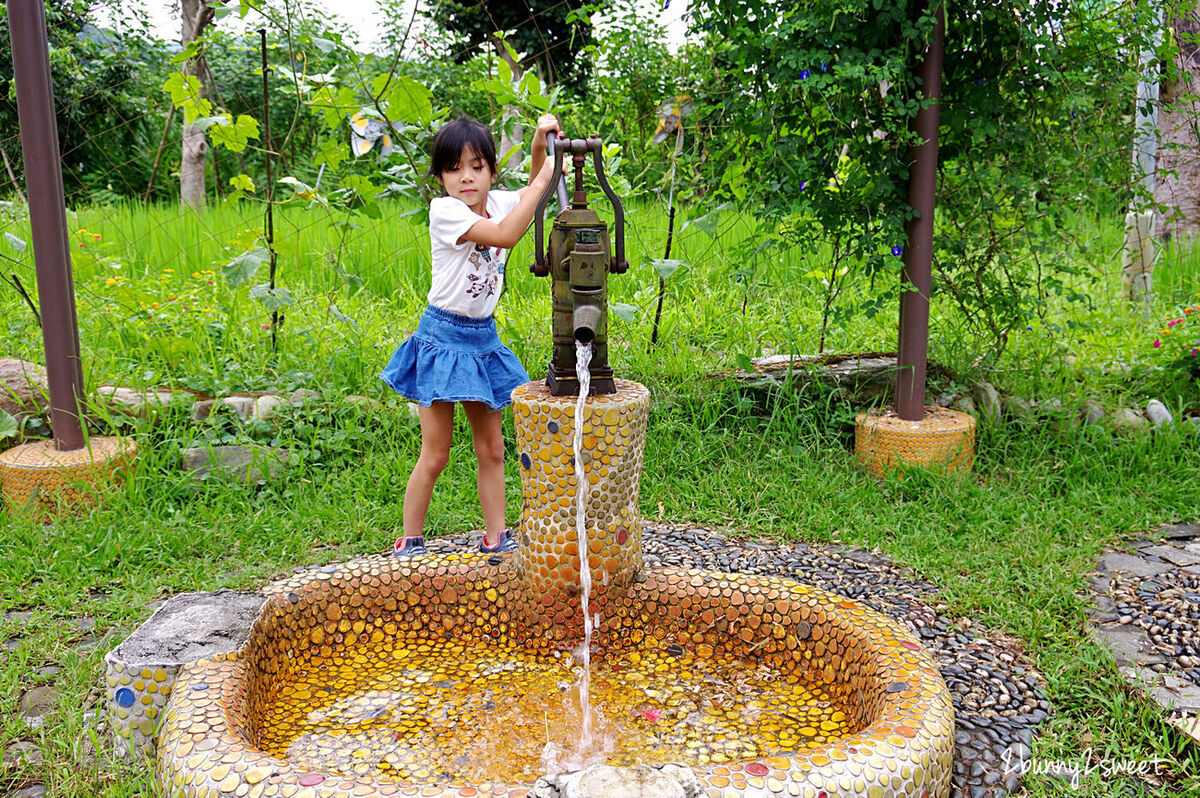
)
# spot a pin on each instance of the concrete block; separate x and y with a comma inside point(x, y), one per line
point(141, 671)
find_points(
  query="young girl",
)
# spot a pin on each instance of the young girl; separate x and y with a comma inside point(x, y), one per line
point(455, 355)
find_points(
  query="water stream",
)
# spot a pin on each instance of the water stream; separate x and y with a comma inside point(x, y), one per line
point(583, 357)
point(590, 747)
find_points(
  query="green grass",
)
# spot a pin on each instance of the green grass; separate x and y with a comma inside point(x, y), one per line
point(1011, 544)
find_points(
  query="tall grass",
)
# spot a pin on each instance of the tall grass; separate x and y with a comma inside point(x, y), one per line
point(360, 286)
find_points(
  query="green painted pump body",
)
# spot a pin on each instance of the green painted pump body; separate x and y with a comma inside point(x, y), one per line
point(578, 261)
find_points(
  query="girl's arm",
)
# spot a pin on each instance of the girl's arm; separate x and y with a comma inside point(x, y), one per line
point(508, 231)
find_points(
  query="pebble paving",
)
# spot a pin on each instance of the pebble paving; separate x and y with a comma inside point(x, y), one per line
point(1147, 612)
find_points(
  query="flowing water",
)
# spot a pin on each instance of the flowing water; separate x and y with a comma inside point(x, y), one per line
point(586, 751)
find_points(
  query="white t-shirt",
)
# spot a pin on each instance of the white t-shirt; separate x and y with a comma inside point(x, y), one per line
point(467, 277)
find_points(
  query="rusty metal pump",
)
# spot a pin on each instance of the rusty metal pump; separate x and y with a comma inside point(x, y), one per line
point(578, 263)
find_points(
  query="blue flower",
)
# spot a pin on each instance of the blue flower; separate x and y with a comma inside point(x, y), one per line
point(897, 250)
point(804, 73)
point(666, 4)
point(803, 183)
point(822, 66)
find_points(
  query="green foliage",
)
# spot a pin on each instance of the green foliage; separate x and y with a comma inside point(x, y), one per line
point(552, 33)
point(106, 124)
point(186, 94)
point(9, 426)
point(242, 268)
point(814, 103)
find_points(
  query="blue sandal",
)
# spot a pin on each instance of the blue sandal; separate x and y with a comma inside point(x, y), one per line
point(409, 547)
point(506, 545)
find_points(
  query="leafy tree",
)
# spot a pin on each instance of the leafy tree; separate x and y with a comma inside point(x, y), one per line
point(635, 74)
point(813, 103)
point(551, 33)
point(103, 114)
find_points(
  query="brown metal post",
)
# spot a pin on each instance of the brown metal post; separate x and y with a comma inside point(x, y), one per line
point(47, 218)
point(918, 254)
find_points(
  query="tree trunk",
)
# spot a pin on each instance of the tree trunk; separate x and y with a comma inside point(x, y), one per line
point(1178, 184)
point(194, 15)
point(517, 137)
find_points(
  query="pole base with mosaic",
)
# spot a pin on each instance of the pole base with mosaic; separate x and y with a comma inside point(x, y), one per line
point(39, 480)
point(941, 439)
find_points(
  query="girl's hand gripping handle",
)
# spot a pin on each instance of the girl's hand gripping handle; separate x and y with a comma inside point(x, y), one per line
point(555, 149)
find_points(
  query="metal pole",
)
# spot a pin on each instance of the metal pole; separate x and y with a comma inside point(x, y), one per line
point(47, 218)
point(270, 187)
point(918, 254)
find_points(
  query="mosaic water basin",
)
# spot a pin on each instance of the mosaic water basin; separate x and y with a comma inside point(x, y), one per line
point(389, 677)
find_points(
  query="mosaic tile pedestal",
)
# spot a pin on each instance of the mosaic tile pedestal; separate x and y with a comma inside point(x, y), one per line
point(44, 482)
point(943, 438)
point(614, 437)
point(900, 743)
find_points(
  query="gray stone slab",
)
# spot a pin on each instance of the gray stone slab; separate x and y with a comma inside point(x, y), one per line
point(1187, 700)
point(1173, 555)
point(1182, 686)
point(192, 626)
point(1118, 562)
point(248, 463)
point(1177, 531)
point(1127, 643)
point(1102, 616)
point(34, 791)
point(1140, 677)
point(142, 670)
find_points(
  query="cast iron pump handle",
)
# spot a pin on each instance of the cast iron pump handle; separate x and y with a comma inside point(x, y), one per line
point(578, 147)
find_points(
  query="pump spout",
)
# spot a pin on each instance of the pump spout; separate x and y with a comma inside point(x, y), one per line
point(587, 315)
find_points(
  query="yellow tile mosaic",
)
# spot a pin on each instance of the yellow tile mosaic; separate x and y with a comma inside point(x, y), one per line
point(946, 438)
point(36, 478)
point(449, 674)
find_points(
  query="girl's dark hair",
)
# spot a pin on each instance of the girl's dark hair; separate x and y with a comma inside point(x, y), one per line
point(463, 132)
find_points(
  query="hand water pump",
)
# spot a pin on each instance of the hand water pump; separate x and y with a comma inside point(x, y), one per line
point(578, 263)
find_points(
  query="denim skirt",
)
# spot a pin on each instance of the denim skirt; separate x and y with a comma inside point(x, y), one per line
point(453, 358)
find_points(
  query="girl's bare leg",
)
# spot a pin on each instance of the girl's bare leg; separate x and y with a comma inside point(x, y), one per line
point(487, 431)
point(437, 429)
